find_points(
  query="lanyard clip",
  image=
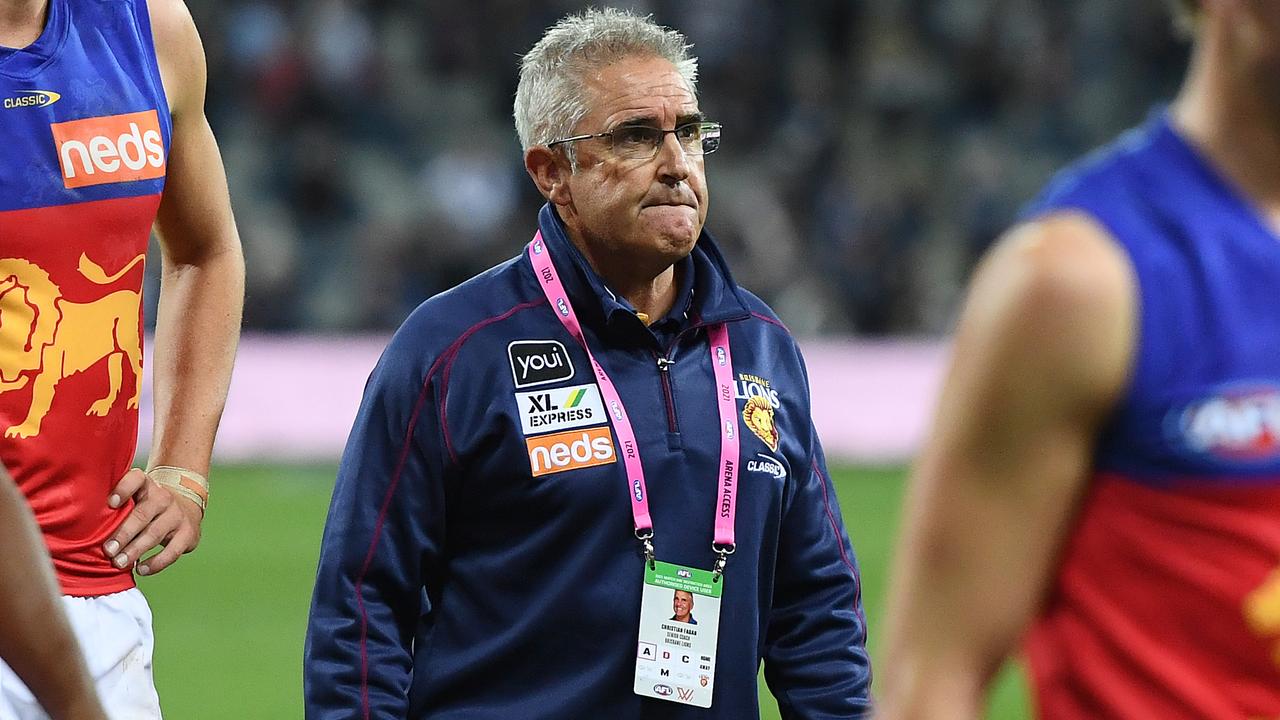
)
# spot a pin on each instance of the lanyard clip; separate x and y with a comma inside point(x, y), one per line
point(722, 558)
point(646, 537)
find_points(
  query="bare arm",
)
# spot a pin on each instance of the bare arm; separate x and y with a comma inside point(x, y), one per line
point(1041, 355)
point(201, 299)
point(35, 638)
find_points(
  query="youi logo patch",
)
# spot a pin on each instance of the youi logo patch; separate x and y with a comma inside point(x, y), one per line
point(1239, 423)
point(538, 362)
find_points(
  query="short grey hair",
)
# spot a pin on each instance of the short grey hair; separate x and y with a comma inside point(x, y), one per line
point(549, 98)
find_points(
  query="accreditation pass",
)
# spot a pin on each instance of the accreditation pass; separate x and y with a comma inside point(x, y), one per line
point(679, 624)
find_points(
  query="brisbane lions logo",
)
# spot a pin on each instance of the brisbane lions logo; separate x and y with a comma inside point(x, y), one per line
point(761, 402)
point(45, 338)
point(758, 415)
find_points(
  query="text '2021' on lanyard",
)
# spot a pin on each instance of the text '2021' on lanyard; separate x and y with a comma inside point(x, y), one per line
point(722, 365)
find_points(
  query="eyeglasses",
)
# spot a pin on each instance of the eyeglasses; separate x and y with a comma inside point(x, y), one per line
point(641, 142)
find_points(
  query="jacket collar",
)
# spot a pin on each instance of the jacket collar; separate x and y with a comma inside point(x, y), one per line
point(716, 298)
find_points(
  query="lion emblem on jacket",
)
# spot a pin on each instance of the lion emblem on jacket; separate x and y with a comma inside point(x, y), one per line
point(758, 415)
point(45, 338)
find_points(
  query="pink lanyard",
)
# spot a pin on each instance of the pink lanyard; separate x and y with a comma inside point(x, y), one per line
point(722, 366)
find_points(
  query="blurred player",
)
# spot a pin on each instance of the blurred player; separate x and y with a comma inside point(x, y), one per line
point(35, 638)
point(102, 135)
point(1103, 480)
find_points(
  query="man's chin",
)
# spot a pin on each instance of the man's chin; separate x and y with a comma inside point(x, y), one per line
point(674, 250)
point(678, 242)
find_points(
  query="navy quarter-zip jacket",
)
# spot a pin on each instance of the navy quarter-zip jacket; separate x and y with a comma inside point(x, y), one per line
point(455, 583)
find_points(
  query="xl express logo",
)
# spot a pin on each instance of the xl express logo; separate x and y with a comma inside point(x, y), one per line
point(32, 98)
point(1237, 423)
point(538, 362)
point(110, 149)
point(560, 408)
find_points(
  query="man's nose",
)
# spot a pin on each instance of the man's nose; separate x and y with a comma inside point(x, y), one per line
point(673, 160)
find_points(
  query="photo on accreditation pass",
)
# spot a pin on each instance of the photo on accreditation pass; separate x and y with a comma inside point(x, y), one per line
point(679, 624)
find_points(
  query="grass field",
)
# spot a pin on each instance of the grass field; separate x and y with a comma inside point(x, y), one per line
point(231, 617)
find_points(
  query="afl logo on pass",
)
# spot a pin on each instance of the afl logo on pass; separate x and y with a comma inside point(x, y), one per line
point(109, 149)
point(537, 362)
point(1241, 423)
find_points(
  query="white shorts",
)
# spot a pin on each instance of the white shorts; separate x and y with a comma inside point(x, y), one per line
point(115, 632)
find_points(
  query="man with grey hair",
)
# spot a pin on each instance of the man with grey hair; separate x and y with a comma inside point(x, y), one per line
point(547, 451)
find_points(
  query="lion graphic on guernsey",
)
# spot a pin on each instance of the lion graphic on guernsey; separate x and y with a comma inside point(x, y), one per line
point(1262, 611)
point(45, 338)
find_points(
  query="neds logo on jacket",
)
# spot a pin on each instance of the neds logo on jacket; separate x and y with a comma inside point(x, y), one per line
point(537, 362)
point(570, 450)
point(110, 149)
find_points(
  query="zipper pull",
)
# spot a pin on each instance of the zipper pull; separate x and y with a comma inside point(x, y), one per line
point(665, 363)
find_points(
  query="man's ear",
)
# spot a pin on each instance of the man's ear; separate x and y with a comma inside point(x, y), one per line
point(550, 172)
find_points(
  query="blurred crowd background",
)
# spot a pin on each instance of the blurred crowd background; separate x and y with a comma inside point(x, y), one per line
point(872, 150)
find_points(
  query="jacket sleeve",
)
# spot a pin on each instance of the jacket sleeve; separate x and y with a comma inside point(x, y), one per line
point(383, 535)
point(816, 662)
